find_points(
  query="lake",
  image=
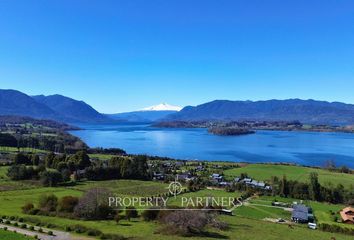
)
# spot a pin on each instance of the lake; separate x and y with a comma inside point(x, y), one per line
point(304, 148)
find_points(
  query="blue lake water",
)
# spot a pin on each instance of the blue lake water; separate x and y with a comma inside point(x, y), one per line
point(304, 148)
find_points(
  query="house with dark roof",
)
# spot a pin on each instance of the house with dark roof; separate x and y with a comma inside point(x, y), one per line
point(301, 214)
point(347, 215)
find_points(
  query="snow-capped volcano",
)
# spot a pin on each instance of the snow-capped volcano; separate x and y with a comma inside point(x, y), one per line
point(162, 107)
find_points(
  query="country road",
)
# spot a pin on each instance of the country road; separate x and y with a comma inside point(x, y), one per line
point(58, 235)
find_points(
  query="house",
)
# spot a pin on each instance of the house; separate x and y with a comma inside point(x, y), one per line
point(260, 185)
point(246, 180)
point(216, 176)
point(301, 214)
point(158, 176)
point(185, 177)
point(199, 168)
point(347, 215)
point(224, 184)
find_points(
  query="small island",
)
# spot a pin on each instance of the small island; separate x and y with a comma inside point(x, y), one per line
point(229, 131)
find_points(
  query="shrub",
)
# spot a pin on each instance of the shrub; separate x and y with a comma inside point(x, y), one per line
point(16, 224)
point(5, 228)
point(117, 218)
point(40, 230)
point(112, 237)
point(48, 202)
point(20, 219)
point(130, 212)
point(51, 225)
point(23, 225)
point(51, 178)
point(185, 223)
point(12, 218)
point(31, 228)
point(79, 228)
point(68, 203)
point(68, 228)
point(34, 211)
point(150, 214)
point(7, 222)
point(50, 233)
point(27, 208)
point(93, 205)
point(93, 232)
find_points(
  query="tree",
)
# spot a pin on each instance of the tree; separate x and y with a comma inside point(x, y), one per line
point(117, 218)
point(20, 172)
point(35, 159)
point(81, 159)
point(315, 187)
point(49, 160)
point(48, 202)
point(130, 212)
point(50, 178)
point(7, 140)
point(68, 203)
point(21, 158)
point(284, 187)
point(27, 208)
point(150, 214)
point(186, 222)
point(93, 205)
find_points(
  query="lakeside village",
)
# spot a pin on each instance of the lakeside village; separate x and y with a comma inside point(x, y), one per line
point(300, 213)
point(34, 157)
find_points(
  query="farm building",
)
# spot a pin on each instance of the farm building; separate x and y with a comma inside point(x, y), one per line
point(301, 214)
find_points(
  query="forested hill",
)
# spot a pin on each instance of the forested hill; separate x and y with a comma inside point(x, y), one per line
point(55, 107)
point(305, 111)
point(72, 110)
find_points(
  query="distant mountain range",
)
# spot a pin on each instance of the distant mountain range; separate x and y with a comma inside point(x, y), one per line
point(55, 107)
point(305, 111)
point(68, 110)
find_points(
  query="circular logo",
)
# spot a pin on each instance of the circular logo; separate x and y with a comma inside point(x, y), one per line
point(175, 188)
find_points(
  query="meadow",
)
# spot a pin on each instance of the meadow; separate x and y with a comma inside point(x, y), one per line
point(246, 224)
point(266, 171)
point(7, 235)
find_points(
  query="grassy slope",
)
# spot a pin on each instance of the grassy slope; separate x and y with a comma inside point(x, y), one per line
point(247, 223)
point(265, 171)
point(126, 187)
point(321, 210)
point(249, 227)
point(6, 184)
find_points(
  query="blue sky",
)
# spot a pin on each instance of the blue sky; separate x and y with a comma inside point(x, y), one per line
point(124, 55)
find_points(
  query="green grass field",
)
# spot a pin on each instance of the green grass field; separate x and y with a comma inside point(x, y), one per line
point(205, 193)
point(7, 235)
point(15, 149)
point(322, 211)
point(126, 187)
point(6, 184)
point(247, 224)
point(266, 171)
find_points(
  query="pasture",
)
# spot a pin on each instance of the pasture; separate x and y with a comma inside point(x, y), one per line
point(266, 171)
point(7, 235)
